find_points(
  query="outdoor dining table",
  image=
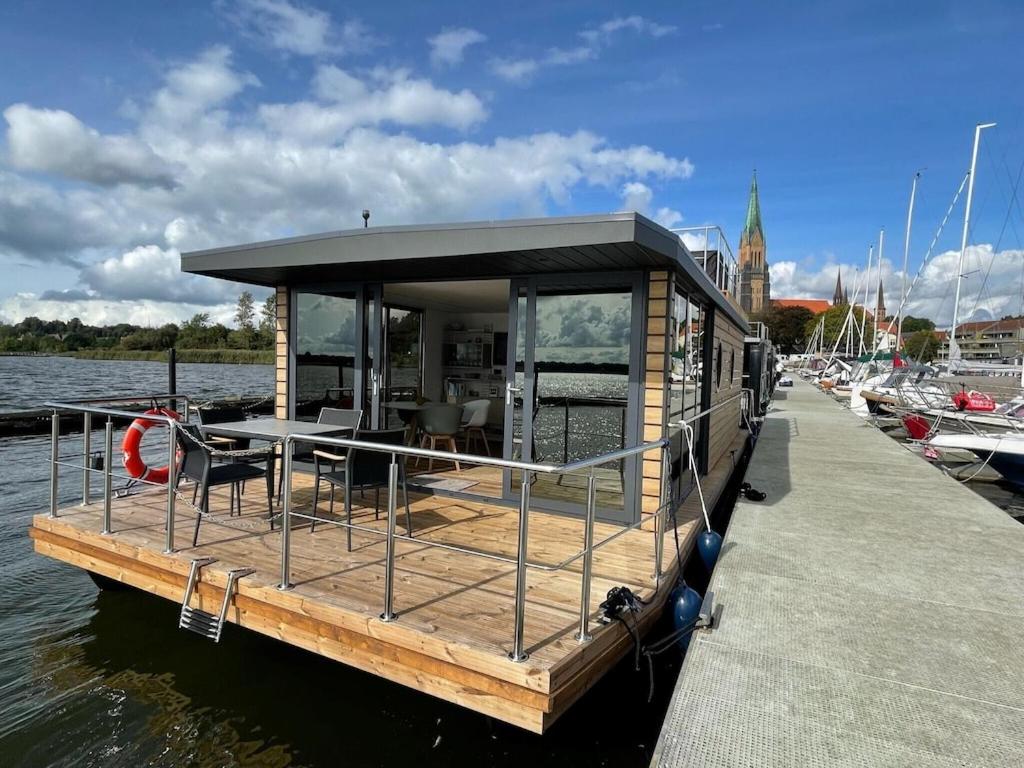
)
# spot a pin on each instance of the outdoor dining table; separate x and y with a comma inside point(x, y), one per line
point(272, 430)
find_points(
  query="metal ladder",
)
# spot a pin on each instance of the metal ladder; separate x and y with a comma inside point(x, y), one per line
point(199, 621)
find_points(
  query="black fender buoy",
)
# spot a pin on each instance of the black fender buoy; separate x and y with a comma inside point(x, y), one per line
point(684, 603)
point(709, 545)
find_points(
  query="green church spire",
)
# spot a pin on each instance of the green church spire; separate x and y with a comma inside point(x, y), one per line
point(753, 222)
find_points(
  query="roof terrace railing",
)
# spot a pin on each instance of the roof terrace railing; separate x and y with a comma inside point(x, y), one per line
point(713, 254)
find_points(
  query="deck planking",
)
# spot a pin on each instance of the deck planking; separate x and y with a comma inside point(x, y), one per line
point(455, 610)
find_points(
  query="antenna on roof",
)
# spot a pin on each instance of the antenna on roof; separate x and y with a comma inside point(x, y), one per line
point(366, 217)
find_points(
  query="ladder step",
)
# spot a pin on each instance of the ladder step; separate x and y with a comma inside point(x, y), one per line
point(202, 622)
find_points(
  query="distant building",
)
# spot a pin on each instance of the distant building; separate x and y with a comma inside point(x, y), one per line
point(755, 282)
point(992, 340)
point(817, 306)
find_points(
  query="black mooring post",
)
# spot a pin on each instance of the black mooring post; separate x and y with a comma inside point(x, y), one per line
point(172, 376)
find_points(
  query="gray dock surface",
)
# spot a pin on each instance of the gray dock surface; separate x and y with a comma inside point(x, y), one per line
point(871, 612)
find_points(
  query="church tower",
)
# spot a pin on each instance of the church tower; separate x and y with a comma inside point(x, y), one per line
point(755, 283)
point(880, 303)
point(839, 298)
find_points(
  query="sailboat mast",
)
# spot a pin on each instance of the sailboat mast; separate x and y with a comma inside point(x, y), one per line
point(963, 239)
point(906, 256)
point(881, 245)
point(864, 305)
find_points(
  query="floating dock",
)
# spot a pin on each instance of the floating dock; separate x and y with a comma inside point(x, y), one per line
point(870, 612)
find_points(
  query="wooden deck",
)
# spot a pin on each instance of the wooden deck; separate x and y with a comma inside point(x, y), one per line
point(455, 610)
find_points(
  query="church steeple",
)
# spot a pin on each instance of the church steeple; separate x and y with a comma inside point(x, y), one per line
point(880, 303)
point(839, 298)
point(752, 225)
point(755, 280)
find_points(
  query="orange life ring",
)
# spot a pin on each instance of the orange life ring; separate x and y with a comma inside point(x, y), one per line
point(132, 458)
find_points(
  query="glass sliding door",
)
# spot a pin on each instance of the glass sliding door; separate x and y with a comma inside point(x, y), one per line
point(573, 392)
point(403, 353)
point(328, 350)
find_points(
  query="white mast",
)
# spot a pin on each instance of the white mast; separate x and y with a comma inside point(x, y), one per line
point(881, 245)
point(864, 306)
point(953, 349)
point(906, 254)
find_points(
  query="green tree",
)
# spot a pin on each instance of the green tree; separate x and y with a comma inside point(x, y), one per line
point(913, 324)
point(922, 345)
point(268, 314)
point(245, 314)
point(835, 317)
point(787, 327)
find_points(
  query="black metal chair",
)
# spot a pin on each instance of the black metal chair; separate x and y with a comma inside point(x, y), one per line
point(363, 469)
point(306, 454)
point(197, 465)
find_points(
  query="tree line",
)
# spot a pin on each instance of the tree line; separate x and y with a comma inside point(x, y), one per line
point(198, 332)
point(791, 328)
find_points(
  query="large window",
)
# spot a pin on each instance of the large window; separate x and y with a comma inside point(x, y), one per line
point(686, 382)
point(325, 352)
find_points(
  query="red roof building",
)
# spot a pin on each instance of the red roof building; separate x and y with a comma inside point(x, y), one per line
point(817, 306)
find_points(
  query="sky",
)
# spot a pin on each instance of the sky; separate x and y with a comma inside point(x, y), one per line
point(133, 133)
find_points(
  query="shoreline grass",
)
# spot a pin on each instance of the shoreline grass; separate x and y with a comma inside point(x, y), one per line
point(242, 356)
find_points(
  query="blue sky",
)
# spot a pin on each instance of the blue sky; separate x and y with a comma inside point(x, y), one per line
point(131, 135)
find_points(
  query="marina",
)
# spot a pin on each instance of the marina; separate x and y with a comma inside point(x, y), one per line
point(868, 614)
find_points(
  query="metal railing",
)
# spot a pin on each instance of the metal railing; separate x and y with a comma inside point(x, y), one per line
point(90, 408)
point(527, 471)
point(715, 257)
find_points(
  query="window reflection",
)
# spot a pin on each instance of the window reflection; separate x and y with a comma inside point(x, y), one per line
point(325, 352)
point(685, 381)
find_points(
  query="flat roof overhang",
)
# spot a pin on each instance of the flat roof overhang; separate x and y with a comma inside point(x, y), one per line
point(475, 250)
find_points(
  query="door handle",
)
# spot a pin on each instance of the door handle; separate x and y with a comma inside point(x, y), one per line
point(509, 389)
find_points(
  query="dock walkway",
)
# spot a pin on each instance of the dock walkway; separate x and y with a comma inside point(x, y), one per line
point(871, 612)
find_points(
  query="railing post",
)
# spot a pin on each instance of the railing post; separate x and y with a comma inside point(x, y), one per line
point(86, 453)
point(660, 518)
point(54, 457)
point(108, 452)
point(517, 653)
point(389, 555)
point(286, 514)
point(565, 435)
point(584, 635)
point(172, 482)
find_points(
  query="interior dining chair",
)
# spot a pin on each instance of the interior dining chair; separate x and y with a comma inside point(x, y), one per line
point(440, 424)
point(474, 417)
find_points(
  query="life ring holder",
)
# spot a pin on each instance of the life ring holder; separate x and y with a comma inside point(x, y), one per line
point(131, 456)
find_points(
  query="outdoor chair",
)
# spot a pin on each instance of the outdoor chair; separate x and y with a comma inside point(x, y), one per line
point(305, 453)
point(197, 465)
point(362, 469)
point(440, 423)
point(474, 418)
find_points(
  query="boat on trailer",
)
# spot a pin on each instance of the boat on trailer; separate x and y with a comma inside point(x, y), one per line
point(485, 582)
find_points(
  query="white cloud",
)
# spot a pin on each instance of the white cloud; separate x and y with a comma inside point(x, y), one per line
point(448, 47)
point(602, 33)
point(595, 39)
point(243, 175)
point(638, 197)
point(997, 295)
point(94, 311)
point(390, 96)
point(55, 141)
point(298, 29)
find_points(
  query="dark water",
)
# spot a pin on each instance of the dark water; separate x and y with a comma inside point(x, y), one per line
point(90, 678)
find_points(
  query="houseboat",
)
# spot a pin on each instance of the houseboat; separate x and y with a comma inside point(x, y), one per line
point(479, 430)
